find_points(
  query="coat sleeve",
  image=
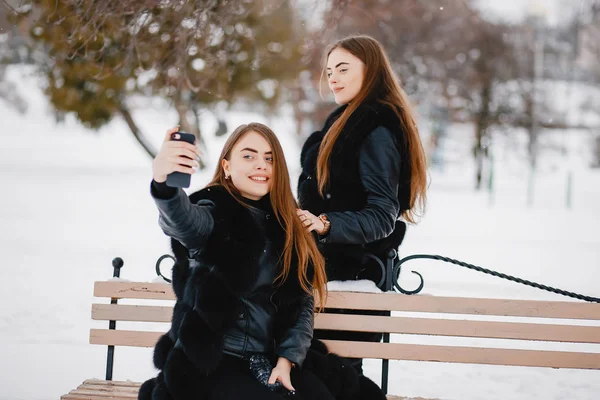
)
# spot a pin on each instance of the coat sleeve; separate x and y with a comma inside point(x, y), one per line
point(379, 163)
point(190, 224)
point(296, 339)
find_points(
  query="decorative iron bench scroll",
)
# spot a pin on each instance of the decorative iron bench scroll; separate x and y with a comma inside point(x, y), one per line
point(528, 326)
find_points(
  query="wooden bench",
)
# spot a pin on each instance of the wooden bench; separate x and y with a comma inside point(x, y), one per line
point(523, 329)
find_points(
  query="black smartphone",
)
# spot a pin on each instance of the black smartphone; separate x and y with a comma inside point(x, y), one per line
point(179, 179)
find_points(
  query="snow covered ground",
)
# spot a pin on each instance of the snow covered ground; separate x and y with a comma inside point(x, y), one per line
point(72, 200)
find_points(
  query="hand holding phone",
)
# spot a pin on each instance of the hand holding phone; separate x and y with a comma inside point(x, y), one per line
point(176, 159)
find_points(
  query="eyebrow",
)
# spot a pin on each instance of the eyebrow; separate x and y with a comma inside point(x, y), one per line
point(254, 151)
point(343, 62)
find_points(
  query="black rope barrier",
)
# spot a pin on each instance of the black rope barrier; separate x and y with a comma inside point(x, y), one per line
point(398, 265)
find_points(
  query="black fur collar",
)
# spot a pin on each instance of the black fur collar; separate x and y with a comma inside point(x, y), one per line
point(363, 121)
point(345, 187)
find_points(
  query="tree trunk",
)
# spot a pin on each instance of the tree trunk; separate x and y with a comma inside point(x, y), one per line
point(478, 153)
point(182, 109)
point(481, 126)
point(532, 130)
point(299, 114)
point(197, 122)
point(136, 131)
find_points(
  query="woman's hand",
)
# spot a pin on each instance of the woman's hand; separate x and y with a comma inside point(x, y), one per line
point(174, 156)
point(311, 222)
point(281, 373)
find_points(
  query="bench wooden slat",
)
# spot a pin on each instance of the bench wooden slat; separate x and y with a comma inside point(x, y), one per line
point(389, 397)
point(109, 389)
point(120, 312)
point(368, 323)
point(79, 396)
point(391, 302)
point(124, 337)
point(407, 398)
point(98, 395)
point(398, 351)
point(133, 387)
point(133, 290)
point(464, 305)
point(465, 355)
point(104, 394)
point(111, 383)
point(448, 327)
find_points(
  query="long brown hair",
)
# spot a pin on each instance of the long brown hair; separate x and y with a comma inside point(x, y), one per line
point(297, 239)
point(379, 84)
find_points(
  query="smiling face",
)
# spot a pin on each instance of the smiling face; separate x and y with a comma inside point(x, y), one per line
point(345, 75)
point(250, 166)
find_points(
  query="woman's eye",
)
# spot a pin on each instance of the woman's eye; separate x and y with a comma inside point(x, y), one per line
point(329, 74)
point(343, 70)
point(248, 156)
point(270, 159)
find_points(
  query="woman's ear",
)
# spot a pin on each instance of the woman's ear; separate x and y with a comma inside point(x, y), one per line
point(226, 167)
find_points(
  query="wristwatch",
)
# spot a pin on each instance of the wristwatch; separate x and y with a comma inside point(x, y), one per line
point(326, 222)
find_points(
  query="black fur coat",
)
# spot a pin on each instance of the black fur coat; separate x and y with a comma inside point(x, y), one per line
point(207, 300)
point(346, 192)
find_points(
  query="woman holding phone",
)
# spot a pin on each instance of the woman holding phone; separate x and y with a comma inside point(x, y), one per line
point(246, 276)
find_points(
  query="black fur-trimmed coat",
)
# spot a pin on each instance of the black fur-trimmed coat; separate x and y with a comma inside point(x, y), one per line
point(207, 304)
point(346, 189)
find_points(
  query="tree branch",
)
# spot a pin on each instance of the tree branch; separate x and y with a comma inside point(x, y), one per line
point(126, 114)
point(9, 7)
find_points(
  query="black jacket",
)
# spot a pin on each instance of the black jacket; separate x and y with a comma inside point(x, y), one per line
point(226, 260)
point(368, 189)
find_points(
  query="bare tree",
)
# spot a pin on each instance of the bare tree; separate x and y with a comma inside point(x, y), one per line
point(446, 55)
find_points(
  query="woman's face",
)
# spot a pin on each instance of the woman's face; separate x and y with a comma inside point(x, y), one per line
point(250, 166)
point(345, 74)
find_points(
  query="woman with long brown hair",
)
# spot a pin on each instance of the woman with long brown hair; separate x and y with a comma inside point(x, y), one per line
point(364, 173)
point(244, 277)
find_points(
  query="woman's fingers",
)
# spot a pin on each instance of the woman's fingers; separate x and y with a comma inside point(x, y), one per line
point(183, 152)
point(309, 221)
point(286, 382)
point(174, 167)
point(304, 215)
point(273, 378)
point(185, 146)
point(170, 132)
point(283, 378)
point(183, 161)
point(184, 169)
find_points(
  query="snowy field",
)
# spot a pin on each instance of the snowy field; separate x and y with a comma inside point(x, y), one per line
point(72, 200)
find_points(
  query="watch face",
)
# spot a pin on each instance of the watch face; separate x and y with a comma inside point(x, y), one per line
point(323, 217)
point(325, 221)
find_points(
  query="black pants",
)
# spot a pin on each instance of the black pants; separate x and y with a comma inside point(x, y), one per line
point(233, 380)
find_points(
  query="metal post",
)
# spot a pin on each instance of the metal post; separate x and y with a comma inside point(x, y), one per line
point(117, 264)
point(389, 270)
point(389, 286)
